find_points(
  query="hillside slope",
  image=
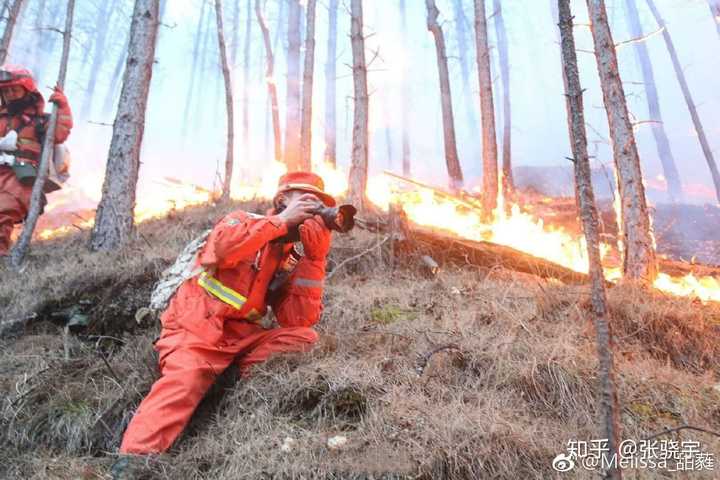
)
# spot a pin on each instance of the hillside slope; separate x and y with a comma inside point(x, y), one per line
point(477, 373)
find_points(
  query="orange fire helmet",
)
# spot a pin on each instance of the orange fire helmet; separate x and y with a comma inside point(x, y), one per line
point(306, 182)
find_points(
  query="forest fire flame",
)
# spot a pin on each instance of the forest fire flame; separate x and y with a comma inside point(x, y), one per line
point(510, 227)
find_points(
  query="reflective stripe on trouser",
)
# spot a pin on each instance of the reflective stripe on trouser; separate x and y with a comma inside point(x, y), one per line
point(215, 288)
point(188, 368)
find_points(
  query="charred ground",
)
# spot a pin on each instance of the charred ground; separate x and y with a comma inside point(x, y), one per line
point(515, 381)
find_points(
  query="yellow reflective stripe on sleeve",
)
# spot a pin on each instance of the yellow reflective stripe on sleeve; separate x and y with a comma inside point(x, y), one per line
point(220, 291)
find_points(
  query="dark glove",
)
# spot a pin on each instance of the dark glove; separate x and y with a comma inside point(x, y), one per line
point(59, 98)
point(315, 238)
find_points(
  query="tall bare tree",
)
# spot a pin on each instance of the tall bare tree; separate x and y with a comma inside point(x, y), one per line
point(463, 44)
point(292, 103)
point(639, 251)
point(229, 152)
point(36, 197)
point(105, 11)
point(331, 86)
point(508, 184)
point(14, 10)
point(697, 123)
point(487, 112)
point(114, 222)
point(589, 216)
point(405, 97)
point(658, 127)
point(270, 80)
point(715, 11)
point(307, 89)
point(357, 181)
point(451, 156)
point(246, 81)
point(194, 66)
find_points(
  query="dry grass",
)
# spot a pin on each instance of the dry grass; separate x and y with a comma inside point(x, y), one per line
point(519, 384)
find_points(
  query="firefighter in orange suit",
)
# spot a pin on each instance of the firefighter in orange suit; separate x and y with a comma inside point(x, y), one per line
point(22, 110)
point(213, 318)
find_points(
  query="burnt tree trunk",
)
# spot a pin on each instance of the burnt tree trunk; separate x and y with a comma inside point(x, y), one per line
point(357, 181)
point(103, 23)
point(405, 100)
point(487, 112)
point(13, 10)
point(270, 80)
point(114, 221)
point(292, 103)
point(451, 156)
point(194, 66)
point(36, 197)
point(588, 213)
point(688, 99)
point(331, 86)
point(461, 30)
point(508, 185)
point(715, 11)
point(307, 90)
point(639, 252)
point(228, 102)
point(246, 82)
point(658, 127)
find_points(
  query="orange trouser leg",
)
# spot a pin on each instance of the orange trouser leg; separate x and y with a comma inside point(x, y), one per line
point(14, 200)
point(278, 340)
point(188, 367)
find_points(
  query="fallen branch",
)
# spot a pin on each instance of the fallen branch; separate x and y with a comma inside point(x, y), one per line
point(682, 427)
point(355, 257)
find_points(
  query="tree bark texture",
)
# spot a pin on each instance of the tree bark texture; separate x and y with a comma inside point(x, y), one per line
point(13, 14)
point(229, 152)
point(270, 80)
point(639, 251)
point(103, 25)
point(697, 123)
point(331, 86)
point(589, 217)
point(292, 104)
point(487, 112)
point(658, 127)
point(246, 83)
point(36, 198)
point(405, 100)
point(357, 182)
point(307, 90)
point(508, 184)
point(461, 30)
point(114, 222)
point(451, 156)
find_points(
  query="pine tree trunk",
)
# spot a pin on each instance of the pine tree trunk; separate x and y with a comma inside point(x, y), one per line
point(228, 103)
point(688, 99)
point(110, 97)
point(639, 254)
point(103, 23)
point(195, 65)
point(270, 79)
point(658, 127)
point(357, 181)
point(307, 92)
point(36, 198)
point(13, 14)
point(508, 184)
point(405, 100)
point(451, 156)
point(715, 11)
point(487, 112)
point(331, 86)
point(610, 409)
point(247, 82)
point(461, 30)
point(114, 222)
point(292, 104)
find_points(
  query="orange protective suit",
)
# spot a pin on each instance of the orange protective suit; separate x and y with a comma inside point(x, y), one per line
point(202, 335)
point(29, 122)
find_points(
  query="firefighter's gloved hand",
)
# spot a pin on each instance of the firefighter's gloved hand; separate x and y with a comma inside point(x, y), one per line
point(315, 238)
point(59, 98)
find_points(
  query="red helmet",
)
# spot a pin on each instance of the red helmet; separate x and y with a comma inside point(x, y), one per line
point(11, 76)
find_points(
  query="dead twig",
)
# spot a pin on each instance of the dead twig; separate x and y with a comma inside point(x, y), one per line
point(425, 358)
point(682, 427)
point(355, 257)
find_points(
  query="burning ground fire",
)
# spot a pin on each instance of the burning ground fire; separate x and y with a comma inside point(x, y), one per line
point(516, 229)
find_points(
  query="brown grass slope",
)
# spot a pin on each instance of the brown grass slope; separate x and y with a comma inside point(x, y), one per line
point(517, 384)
